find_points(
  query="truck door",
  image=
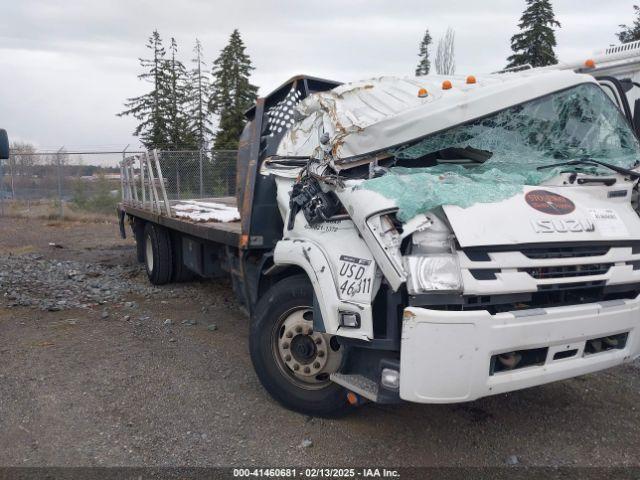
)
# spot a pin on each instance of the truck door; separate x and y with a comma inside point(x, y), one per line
point(626, 94)
point(616, 91)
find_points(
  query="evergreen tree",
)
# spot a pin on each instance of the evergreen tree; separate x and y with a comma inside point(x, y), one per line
point(177, 98)
point(232, 93)
point(424, 65)
point(150, 109)
point(630, 33)
point(536, 40)
point(199, 87)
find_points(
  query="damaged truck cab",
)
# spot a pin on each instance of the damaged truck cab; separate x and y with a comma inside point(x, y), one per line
point(438, 240)
point(427, 239)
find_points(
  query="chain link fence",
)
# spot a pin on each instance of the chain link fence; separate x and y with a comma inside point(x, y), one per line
point(198, 174)
point(77, 184)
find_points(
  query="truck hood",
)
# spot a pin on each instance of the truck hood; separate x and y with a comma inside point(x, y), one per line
point(548, 214)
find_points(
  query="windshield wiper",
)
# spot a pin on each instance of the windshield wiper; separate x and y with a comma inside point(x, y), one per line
point(592, 162)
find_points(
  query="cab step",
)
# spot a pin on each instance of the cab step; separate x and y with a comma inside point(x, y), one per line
point(358, 384)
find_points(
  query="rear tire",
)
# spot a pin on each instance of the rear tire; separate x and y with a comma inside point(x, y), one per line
point(322, 398)
point(157, 254)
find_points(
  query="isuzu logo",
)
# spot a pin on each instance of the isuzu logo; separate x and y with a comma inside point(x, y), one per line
point(549, 202)
point(563, 226)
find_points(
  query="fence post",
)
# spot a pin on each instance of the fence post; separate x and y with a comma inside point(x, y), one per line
point(1, 188)
point(177, 177)
point(201, 179)
point(59, 162)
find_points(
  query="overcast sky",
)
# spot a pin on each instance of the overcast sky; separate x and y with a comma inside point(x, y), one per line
point(67, 66)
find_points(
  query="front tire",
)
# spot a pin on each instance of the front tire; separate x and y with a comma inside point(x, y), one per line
point(157, 254)
point(292, 361)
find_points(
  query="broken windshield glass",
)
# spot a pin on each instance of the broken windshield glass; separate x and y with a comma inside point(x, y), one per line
point(580, 122)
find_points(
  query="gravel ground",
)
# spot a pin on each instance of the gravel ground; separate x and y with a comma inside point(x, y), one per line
point(98, 368)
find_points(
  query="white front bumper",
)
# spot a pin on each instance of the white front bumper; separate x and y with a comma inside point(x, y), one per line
point(445, 356)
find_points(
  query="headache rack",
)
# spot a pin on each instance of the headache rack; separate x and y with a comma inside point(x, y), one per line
point(146, 189)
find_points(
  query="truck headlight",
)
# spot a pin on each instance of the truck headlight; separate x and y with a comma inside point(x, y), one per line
point(437, 272)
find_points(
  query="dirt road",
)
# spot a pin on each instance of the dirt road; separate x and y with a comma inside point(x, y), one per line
point(97, 368)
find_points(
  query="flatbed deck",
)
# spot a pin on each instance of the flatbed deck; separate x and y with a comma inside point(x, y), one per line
point(227, 233)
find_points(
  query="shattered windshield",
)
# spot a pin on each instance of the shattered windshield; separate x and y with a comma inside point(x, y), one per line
point(572, 124)
point(508, 146)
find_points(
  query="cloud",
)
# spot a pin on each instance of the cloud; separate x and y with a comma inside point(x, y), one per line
point(69, 65)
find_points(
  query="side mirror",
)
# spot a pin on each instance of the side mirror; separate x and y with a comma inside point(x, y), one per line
point(4, 145)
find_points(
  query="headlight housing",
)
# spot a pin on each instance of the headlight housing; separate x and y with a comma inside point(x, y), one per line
point(433, 273)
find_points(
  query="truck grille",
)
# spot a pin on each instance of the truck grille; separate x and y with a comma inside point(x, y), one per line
point(565, 252)
point(544, 275)
point(566, 271)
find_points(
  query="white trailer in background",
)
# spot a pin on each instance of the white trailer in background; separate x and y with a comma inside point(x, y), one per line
point(617, 63)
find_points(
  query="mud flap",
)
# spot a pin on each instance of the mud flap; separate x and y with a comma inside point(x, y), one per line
point(121, 215)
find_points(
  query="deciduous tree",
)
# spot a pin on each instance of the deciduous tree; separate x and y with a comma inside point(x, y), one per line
point(446, 54)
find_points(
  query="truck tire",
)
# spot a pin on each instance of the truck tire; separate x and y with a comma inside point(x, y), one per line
point(157, 254)
point(288, 301)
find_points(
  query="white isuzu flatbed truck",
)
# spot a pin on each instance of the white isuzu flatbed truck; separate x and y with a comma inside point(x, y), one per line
point(432, 240)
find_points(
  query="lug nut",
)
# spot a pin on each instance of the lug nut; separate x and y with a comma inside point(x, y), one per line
point(318, 340)
point(307, 370)
point(287, 358)
point(316, 365)
point(310, 331)
point(296, 367)
point(285, 345)
point(321, 353)
point(289, 334)
point(299, 329)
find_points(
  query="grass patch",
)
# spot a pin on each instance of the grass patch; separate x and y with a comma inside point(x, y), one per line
point(50, 210)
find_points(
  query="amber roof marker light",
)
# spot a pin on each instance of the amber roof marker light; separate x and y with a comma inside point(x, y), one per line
point(422, 93)
point(447, 85)
point(590, 63)
point(471, 80)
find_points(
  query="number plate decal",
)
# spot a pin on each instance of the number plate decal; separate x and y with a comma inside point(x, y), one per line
point(355, 278)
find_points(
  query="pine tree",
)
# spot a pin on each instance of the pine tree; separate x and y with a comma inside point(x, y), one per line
point(177, 98)
point(630, 33)
point(232, 93)
point(150, 108)
point(424, 65)
point(535, 43)
point(199, 87)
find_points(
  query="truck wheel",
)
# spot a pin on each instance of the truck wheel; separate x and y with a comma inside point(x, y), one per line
point(157, 254)
point(292, 361)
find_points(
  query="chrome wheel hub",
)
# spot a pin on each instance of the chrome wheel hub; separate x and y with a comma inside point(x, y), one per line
point(307, 355)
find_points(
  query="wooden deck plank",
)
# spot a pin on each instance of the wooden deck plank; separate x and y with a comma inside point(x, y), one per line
point(227, 233)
